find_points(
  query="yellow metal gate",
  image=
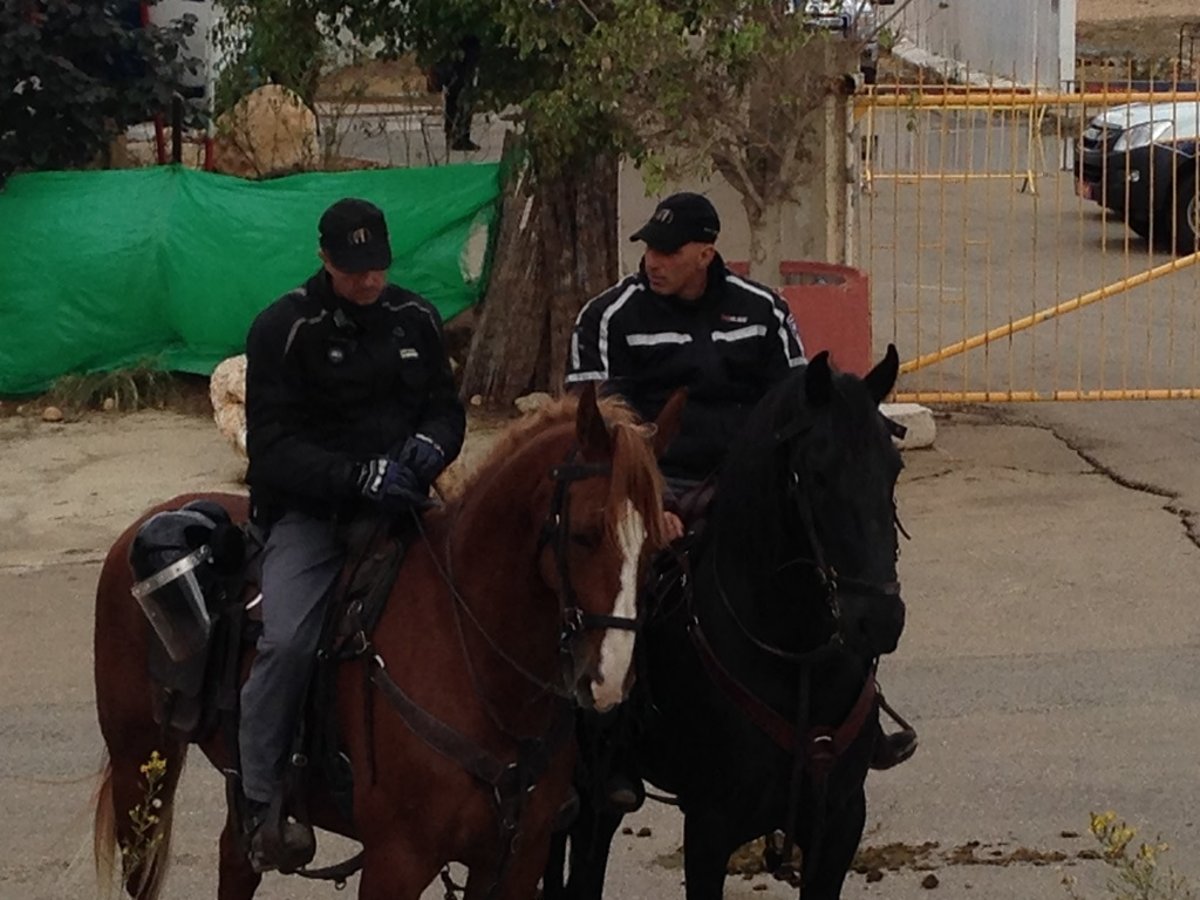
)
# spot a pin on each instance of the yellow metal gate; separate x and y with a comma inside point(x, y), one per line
point(990, 272)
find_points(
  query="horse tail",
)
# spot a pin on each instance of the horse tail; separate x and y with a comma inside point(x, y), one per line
point(143, 846)
point(104, 830)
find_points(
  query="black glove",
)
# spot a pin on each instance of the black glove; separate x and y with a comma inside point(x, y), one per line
point(393, 485)
point(424, 457)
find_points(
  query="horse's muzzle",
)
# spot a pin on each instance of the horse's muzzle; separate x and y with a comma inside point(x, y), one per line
point(873, 623)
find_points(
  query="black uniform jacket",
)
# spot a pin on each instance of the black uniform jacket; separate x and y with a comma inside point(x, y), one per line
point(727, 348)
point(330, 384)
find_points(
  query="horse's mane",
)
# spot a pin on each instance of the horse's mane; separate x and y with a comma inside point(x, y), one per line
point(635, 476)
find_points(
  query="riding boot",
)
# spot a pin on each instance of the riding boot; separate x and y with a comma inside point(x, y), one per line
point(624, 793)
point(274, 841)
point(892, 749)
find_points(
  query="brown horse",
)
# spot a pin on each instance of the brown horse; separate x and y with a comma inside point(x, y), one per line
point(475, 633)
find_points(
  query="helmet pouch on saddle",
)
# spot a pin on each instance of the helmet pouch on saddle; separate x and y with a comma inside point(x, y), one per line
point(178, 557)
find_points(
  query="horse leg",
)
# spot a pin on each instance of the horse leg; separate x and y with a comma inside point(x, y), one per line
point(521, 875)
point(707, 846)
point(843, 831)
point(554, 878)
point(396, 867)
point(591, 842)
point(237, 879)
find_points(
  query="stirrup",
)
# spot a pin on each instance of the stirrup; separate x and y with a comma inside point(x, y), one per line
point(893, 749)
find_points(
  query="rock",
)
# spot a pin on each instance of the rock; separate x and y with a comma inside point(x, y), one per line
point(52, 414)
point(109, 404)
point(532, 402)
point(270, 131)
point(917, 419)
point(227, 390)
point(477, 400)
point(930, 881)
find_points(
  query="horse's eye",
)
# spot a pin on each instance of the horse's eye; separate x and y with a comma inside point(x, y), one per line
point(589, 540)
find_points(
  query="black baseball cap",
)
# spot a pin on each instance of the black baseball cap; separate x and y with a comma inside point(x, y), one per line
point(354, 236)
point(680, 219)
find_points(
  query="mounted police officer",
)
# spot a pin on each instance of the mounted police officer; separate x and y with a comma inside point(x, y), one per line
point(685, 320)
point(351, 409)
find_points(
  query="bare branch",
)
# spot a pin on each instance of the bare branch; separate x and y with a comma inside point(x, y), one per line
point(879, 26)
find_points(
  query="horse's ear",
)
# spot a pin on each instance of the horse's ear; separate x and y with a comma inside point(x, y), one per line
point(881, 379)
point(666, 426)
point(590, 429)
point(818, 380)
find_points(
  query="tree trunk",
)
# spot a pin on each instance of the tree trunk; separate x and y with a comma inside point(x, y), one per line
point(556, 248)
point(766, 249)
point(508, 338)
point(579, 247)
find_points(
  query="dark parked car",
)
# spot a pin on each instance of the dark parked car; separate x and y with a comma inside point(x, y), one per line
point(1157, 191)
point(1123, 130)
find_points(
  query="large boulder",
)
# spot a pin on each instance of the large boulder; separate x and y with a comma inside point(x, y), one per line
point(268, 132)
point(227, 390)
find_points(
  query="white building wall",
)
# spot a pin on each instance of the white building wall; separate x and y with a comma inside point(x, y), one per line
point(1031, 40)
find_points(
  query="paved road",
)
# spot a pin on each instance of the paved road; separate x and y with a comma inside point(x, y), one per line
point(1048, 661)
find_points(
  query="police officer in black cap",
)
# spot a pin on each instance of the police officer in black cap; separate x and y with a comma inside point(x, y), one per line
point(351, 408)
point(684, 320)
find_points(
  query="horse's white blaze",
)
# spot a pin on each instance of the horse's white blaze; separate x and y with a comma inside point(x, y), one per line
point(616, 649)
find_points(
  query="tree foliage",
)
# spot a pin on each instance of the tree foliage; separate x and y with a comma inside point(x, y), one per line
point(75, 74)
point(738, 87)
point(277, 41)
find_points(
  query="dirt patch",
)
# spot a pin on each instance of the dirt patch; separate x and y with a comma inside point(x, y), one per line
point(1108, 10)
point(1141, 38)
point(875, 861)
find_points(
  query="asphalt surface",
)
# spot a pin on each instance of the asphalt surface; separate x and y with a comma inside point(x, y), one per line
point(1048, 659)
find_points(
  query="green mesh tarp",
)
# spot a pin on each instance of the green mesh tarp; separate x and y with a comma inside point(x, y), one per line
point(109, 269)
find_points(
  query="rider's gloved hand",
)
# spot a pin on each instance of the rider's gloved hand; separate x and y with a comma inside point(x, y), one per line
point(424, 456)
point(393, 485)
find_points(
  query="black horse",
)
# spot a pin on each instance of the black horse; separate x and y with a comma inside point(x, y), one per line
point(756, 704)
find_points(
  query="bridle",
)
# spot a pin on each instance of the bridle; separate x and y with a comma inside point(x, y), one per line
point(815, 749)
point(834, 584)
point(509, 781)
point(556, 535)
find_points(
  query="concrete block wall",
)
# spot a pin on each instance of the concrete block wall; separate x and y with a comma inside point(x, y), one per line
point(1031, 39)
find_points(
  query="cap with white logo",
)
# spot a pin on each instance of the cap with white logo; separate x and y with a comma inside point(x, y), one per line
point(354, 236)
point(680, 219)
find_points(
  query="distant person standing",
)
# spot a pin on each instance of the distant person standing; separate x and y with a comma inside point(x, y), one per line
point(455, 76)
